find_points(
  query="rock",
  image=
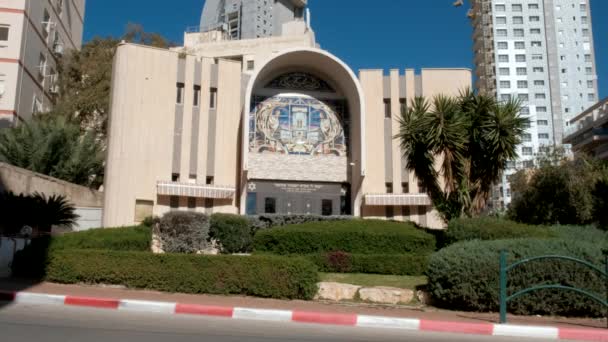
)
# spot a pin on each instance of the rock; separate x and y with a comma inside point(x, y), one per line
point(386, 295)
point(336, 291)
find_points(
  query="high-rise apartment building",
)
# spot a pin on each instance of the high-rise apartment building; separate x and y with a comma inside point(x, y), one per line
point(541, 52)
point(246, 19)
point(34, 34)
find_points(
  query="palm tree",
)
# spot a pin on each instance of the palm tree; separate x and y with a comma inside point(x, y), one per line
point(458, 147)
point(54, 146)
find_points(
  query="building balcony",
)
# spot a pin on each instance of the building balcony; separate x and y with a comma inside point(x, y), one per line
point(164, 188)
point(397, 200)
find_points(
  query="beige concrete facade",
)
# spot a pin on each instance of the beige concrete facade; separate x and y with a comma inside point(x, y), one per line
point(168, 151)
point(33, 36)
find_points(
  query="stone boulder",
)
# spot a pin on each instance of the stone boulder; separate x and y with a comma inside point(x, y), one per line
point(336, 291)
point(386, 295)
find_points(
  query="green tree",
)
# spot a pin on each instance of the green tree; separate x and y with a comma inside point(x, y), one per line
point(49, 211)
point(458, 147)
point(54, 146)
point(85, 77)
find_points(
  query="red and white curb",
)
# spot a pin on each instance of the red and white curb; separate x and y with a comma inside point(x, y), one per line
point(311, 317)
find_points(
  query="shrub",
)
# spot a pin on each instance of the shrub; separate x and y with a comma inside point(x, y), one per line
point(488, 228)
point(390, 264)
point(259, 222)
point(464, 276)
point(355, 236)
point(262, 276)
point(184, 232)
point(232, 232)
point(150, 221)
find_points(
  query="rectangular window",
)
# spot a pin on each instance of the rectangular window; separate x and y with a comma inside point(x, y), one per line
point(589, 71)
point(588, 58)
point(522, 71)
point(520, 58)
point(541, 109)
point(523, 97)
point(522, 84)
point(586, 33)
point(41, 68)
point(505, 84)
point(501, 33)
point(539, 83)
point(270, 205)
point(524, 111)
point(583, 7)
point(213, 98)
point(518, 32)
point(405, 188)
point(590, 97)
point(536, 43)
point(191, 203)
point(502, 45)
point(180, 94)
point(590, 84)
point(526, 137)
point(250, 65)
point(503, 58)
point(402, 105)
point(540, 96)
point(526, 125)
point(174, 202)
point(504, 71)
point(538, 69)
point(528, 164)
point(534, 18)
point(501, 20)
point(4, 33)
point(505, 97)
point(501, 8)
point(542, 122)
point(59, 7)
point(389, 188)
point(533, 6)
point(387, 108)
point(421, 188)
point(518, 20)
point(535, 31)
point(543, 135)
point(46, 24)
point(197, 96)
point(526, 151)
point(327, 207)
point(585, 20)
point(516, 8)
point(520, 45)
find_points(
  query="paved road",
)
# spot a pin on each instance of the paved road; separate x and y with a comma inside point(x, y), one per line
point(66, 324)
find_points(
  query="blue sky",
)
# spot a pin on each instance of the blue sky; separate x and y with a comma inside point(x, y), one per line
point(380, 34)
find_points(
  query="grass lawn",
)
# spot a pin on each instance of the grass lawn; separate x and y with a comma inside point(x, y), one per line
point(404, 282)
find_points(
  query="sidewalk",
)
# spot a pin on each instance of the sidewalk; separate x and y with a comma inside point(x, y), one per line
point(432, 314)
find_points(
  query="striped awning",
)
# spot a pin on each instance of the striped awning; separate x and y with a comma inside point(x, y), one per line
point(389, 200)
point(195, 190)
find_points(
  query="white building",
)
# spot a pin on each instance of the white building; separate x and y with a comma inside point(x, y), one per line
point(540, 51)
point(34, 34)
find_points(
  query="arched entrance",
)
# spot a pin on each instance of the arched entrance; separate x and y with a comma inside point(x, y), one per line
point(302, 136)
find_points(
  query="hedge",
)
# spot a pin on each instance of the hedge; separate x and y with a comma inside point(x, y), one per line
point(488, 228)
point(355, 236)
point(388, 264)
point(184, 232)
point(232, 232)
point(465, 276)
point(259, 222)
point(137, 238)
point(261, 276)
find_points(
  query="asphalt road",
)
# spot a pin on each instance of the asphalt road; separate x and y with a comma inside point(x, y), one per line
point(67, 324)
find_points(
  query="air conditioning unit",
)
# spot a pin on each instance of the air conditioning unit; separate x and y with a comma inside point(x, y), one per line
point(58, 49)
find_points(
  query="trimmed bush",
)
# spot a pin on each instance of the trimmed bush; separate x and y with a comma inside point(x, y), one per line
point(489, 228)
point(184, 232)
point(581, 233)
point(259, 222)
point(355, 236)
point(465, 276)
point(261, 276)
point(389, 264)
point(232, 232)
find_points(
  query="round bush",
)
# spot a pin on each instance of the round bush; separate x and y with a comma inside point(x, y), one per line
point(465, 276)
point(184, 232)
point(232, 232)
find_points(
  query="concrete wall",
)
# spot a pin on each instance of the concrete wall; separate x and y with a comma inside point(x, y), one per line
point(88, 202)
